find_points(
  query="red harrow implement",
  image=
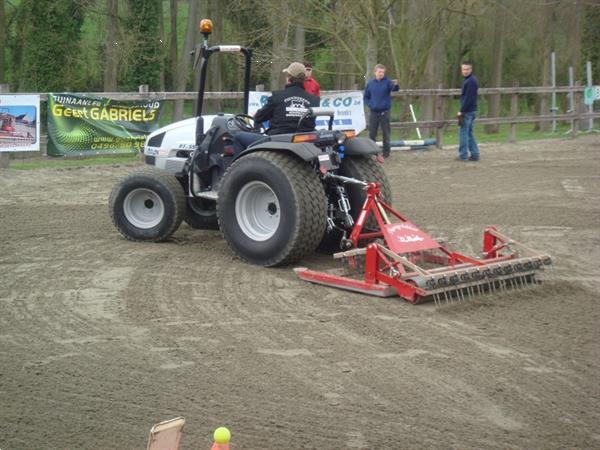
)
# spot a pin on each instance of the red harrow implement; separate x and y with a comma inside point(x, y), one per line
point(400, 259)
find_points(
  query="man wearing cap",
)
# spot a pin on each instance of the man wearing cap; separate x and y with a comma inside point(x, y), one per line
point(284, 108)
point(311, 85)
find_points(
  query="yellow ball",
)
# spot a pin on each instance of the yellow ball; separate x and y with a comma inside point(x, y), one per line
point(222, 435)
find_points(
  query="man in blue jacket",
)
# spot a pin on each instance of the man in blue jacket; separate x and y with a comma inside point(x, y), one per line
point(377, 97)
point(466, 115)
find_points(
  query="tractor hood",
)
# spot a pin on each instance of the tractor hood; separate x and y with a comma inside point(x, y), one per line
point(180, 134)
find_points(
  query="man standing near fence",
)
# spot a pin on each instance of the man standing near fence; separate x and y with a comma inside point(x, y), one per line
point(468, 149)
point(378, 98)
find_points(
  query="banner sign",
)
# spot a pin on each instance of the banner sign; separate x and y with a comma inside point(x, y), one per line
point(91, 125)
point(591, 94)
point(349, 110)
point(19, 123)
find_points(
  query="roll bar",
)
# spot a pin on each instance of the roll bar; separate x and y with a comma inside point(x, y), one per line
point(206, 52)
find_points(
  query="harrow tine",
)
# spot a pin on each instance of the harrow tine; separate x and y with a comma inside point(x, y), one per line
point(468, 292)
point(520, 281)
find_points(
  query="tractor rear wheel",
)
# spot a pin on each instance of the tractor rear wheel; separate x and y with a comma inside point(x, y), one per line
point(147, 205)
point(365, 168)
point(272, 208)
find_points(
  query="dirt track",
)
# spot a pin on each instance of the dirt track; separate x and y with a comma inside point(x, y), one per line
point(100, 337)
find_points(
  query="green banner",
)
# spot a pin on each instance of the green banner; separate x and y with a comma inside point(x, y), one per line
point(91, 125)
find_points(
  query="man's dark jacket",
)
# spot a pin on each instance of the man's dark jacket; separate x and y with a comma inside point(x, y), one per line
point(468, 95)
point(377, 94)
point(284, 108)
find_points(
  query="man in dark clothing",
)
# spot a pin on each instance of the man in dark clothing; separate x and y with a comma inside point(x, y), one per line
point(283, 109)
point(377, 97)
point(466, 115)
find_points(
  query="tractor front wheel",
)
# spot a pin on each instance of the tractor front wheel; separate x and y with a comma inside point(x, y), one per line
point(147, 205)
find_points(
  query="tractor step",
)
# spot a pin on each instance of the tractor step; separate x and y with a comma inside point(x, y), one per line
point(208, 195)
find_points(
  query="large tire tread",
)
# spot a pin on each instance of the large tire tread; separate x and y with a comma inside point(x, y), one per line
point(310, 203)
point(370, 170)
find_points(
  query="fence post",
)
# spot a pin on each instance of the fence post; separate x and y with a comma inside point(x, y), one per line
point(514, 110)
point(588, 70)
point(439, 115)
point(577, 108)
point(143, 89)
point(4, 156)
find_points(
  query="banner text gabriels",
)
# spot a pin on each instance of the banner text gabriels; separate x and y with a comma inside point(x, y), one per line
point(124, 114)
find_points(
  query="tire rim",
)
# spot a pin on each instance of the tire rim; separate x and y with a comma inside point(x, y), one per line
point(143, 208)
point(257, 211)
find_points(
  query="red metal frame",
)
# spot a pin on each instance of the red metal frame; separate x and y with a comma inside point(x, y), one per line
point(386, 274)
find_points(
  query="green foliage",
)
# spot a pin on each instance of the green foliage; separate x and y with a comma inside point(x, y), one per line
point(145, 50)
point(591, 40)
point(46, 55)
point(60, 44)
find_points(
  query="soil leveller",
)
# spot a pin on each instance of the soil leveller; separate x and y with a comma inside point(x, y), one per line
point(400, 259)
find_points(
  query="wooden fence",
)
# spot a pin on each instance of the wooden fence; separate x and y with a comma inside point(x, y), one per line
point(575, 116)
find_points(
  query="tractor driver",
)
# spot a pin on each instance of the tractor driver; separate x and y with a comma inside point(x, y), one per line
point(283, 109)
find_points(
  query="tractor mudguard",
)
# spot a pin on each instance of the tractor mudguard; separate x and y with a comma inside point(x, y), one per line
point(304, 150)
point(361, 146)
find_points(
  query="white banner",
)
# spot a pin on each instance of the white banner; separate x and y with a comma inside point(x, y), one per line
point(19, 123)
point(349, 111)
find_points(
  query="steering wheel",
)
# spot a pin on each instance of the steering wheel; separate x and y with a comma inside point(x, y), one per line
point(245, 122)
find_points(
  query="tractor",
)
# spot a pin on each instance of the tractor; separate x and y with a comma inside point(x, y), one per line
point(274, 202)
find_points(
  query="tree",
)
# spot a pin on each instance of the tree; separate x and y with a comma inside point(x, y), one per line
point(111, 46)
point(182, 73)
point(215, 78)
point(591, 39)
point(548, 14)
point(172, 56)
point(497, 59)
point(280, 26)
point(144, 57)
point(434, 73)
point(299, 32)
point(2, 41)
point(52, 28)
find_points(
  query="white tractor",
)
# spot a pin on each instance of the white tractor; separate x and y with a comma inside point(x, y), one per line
point(274, 202)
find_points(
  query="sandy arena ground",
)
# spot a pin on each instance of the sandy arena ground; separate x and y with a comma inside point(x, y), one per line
point(100, 337)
